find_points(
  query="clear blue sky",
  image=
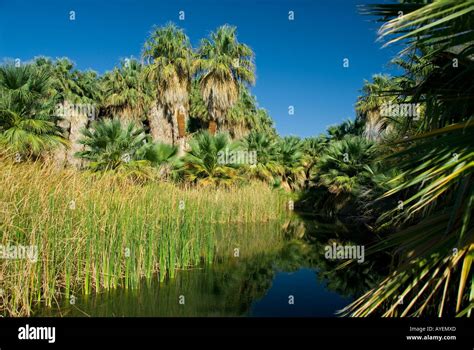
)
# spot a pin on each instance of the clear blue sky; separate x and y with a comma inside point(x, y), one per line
point(299, 63)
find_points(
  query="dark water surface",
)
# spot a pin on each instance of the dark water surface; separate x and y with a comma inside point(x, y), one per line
point(280, 271)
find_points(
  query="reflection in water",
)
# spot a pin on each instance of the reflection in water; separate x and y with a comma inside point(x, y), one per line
point(258, 270)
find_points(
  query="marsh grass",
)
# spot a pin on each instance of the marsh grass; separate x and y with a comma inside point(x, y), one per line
point(226, 289)
point(97, 233)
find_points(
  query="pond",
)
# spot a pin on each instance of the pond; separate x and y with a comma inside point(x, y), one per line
point(275, 269)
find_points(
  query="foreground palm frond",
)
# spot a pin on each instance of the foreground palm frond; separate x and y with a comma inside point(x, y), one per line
point(441, 23)
point(434, 250)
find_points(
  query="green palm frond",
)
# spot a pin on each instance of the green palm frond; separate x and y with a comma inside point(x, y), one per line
point(202, 163)
point(110, 145)
point(126, 91)
point(223, 64)
point(27, 122)
point(170, 64)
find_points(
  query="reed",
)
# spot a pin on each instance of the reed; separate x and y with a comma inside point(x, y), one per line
point(96, 233)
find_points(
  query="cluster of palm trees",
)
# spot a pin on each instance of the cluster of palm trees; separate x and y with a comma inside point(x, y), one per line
point(175, 90)
point(209, 83)
point(408, 178)
point(170, 114)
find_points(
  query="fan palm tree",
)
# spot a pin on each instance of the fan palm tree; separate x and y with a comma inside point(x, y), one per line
point(109, 145)
point(342, 169)
point(347, 127)
point(62, 80)
point(162, 156)
point(202, 164)
point(291, 158)
point(69, 84)
point(314, 148)
point(127, 93)
point(239, 118)
point(434, 241)
point(197, 105)
point(90, 86)
point(267, 167)
point(27, 122)
point(170, 66)
point(77, 96)
point(376, 94)
point(224, 63)
point(441, 24)
point(261, 121)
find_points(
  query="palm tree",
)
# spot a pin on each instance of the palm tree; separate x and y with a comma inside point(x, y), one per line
point(376, 94)
point(202, 162)
point(347, 127)
point(291, 158)
point(239, 118)
point(62, 80)
point(162, 156)
point(27, 122)
point(314, 148)
point(434, 240)
point(169, 56)
point(109, 145)
point(267, 167)
point(347, 178)
point(342, 168)
point(441, 24)
point(69, 84)
point(197, 105)
point(127, 93)
point(261, 121)
point(224, 63)
point(76, 95)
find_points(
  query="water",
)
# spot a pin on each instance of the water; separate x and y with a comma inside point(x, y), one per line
point(271, 270)
point(311, 298)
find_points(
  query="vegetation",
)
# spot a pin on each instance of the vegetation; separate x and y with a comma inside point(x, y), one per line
point(224, 64)
point(202, 163)
point(90, 230)
point(154, 173)
point(27, 122)
point(431, 231)
point(170, 67)
point(126, 93)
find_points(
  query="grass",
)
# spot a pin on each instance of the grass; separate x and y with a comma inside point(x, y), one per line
point(99, 233)
point(226, 289)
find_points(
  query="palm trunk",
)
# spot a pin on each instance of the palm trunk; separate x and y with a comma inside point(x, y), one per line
point(60, 153)
point(240, 131)
point(225, 127)
point(78, 122)
point(181, 123)
point(212, 127)
point(182, 146)
point(160, 127)
point(126, 116)
point(72, 123)
point(179, 130)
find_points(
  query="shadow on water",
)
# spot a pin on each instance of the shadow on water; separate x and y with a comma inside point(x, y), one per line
point(267, 270)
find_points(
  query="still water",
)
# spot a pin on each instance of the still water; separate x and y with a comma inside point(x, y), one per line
point(271, 270)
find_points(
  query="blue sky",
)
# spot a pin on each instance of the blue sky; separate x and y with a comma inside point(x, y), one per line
point(299, 63)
